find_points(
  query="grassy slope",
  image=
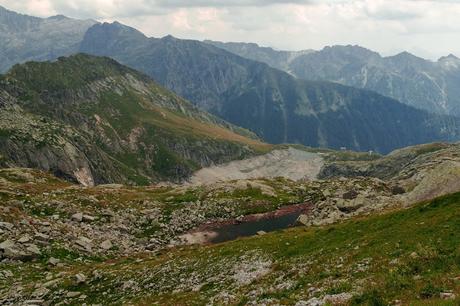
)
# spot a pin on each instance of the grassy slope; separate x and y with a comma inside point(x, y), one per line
point(370, 257)
point(332, 256)
point(430, 229)
point(72, 73)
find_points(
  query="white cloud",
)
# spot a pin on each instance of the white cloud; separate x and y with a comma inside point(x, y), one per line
point(427, 27)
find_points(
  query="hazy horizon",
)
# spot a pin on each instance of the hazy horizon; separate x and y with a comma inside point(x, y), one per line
point(426, 28)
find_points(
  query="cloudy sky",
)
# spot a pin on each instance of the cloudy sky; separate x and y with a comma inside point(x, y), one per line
point(428, 28)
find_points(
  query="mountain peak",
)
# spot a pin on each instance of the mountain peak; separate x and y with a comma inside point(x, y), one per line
point(349, 51)
point(450, 62)
point(406, 58)
point(448, 57)
point(58, 17)
point(169, 37)
point(406, 55)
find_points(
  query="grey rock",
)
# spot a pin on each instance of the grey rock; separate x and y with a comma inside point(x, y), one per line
point(107, 245)
point(40, 292)
point(8, 249)
point(6, 225)
point(53, 261)
point(42, 237)
point(84, 243)
point(303, 220)
point(88, 218)
point(447, 296)
point(24, 239)
point(32, 248)
point(34, 302)
point(80, 278)
point(72, 294)
point(78, 217)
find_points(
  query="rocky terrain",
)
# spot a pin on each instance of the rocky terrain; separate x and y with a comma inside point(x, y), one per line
point(116, 191)
point(291, 163)
point(61, 242)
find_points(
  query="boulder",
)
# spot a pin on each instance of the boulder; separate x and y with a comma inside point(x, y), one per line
point(107, 245)
point(73, 294)
point(78, 217)
point(88, 218)
point(303, 220)
point(6, 225)
point(447, 296)
point(53, 261)
point(8, 250)
point(80, 278)
point(32, 248)
point(84, 243)
point(42, 237)
point(24, 239)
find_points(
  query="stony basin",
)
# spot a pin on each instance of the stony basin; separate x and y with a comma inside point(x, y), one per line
point(247, 226)
point(291, 163)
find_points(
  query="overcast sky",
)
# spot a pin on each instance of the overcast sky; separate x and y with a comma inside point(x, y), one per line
point(428, 28)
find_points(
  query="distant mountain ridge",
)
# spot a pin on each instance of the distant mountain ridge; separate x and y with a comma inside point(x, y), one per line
point(25, 38)
point(278, 59)
point(267, 101)
point(428, 85)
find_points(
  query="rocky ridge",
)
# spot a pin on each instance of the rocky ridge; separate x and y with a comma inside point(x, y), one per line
point(91, 120)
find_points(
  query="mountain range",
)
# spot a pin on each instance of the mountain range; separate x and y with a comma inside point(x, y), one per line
point(424, 84)
point(274, 104)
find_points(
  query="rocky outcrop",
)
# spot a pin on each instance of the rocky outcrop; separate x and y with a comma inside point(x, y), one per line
point(417, 173)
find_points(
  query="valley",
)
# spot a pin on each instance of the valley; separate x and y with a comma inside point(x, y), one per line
point(139, 168)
